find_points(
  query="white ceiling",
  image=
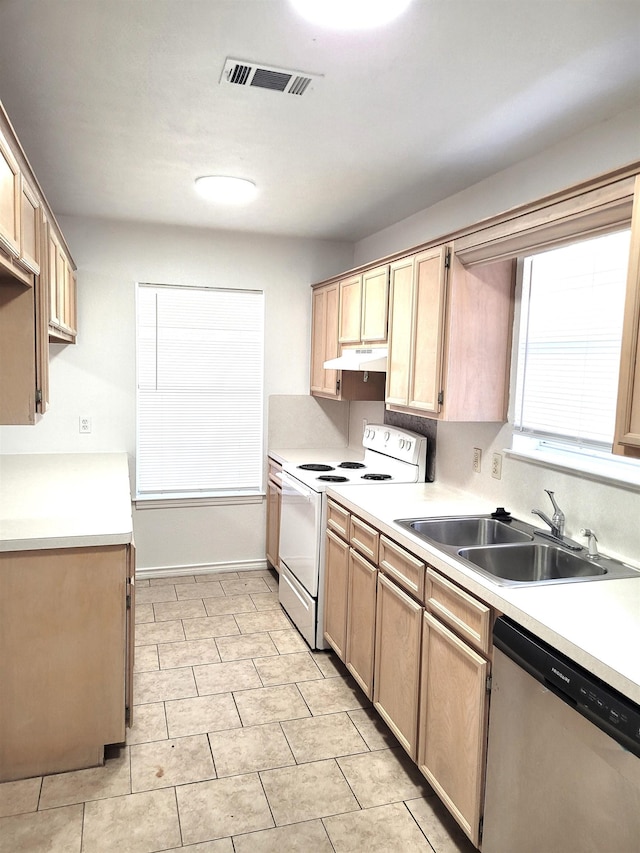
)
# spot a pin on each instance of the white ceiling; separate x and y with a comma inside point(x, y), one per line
point(119, 108)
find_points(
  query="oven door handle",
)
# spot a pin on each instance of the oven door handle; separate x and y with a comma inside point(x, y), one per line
point(296, 486)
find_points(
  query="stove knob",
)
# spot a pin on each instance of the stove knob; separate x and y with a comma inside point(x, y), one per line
point(387, 436)
point(408, 444)
point(401, 443)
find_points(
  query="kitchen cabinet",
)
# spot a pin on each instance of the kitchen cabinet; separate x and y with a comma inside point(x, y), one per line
point(627, 431)
point(10, 200)
point(336, 591)
point(274, 504)
point(335, 384)
point(62, 291)
point(64, 665)
point(454, 699)
point(37, 286)
point(449, 337)
point(67, 569)
point(398, 640)
point(361, 620)
point(324, 340)
point(364, 307)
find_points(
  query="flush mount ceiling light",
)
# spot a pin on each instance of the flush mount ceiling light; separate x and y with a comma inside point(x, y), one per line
point(350, 14)
point(226, 189)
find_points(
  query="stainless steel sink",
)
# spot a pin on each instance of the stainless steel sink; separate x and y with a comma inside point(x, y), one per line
point(466, 530)
point(508, 551)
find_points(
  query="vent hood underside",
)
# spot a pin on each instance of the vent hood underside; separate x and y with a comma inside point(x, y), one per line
point(373, 359)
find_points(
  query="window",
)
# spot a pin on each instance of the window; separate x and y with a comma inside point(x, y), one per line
point(200, 392)
point(569, 352)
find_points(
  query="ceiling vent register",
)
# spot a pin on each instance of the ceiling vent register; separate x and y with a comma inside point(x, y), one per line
point(237, 72)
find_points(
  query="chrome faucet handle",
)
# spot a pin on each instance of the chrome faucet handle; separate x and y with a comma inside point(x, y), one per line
point(558, 515)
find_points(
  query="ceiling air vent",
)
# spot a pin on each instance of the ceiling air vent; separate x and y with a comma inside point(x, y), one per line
point(238, 72)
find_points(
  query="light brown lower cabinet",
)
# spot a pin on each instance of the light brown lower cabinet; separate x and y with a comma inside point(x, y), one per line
point(397, 662)
point(66, 635)
point(452, 725)
point(361, 620)
point(336, 589)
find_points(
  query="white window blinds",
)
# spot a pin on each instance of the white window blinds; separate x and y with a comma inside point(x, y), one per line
point(200, 391)
point(569, 346)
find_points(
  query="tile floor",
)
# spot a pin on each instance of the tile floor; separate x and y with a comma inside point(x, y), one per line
point(244, 742)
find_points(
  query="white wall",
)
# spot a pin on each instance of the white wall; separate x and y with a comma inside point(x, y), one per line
point(611, 511)
point(96, 377)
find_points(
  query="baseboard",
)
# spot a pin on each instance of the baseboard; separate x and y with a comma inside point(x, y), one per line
point(201, 569)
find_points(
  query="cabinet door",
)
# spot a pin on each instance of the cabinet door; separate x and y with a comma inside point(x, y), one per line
point(350, 310)
point(428, 330)
point(361, 620)
point(453, 723)
point(324, 340)
point(336, 589)
point(375, 303)
point(52, 275)
point(397, 662)
point(627, 435)
point(400, 314)
point(9, 200)
point(29, 228)
point(274, 500)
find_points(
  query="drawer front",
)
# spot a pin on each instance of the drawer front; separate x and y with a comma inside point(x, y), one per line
point(338, 519)
point(403, 567)
point(364, 539)
point(469, 617)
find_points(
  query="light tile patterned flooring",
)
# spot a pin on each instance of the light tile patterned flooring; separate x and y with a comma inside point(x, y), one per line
point(244, 742)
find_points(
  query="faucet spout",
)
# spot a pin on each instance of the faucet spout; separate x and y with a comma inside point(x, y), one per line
point(546, 520)
point(556, 523)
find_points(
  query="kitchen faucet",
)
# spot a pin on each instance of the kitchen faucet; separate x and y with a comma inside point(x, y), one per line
point(557, 522)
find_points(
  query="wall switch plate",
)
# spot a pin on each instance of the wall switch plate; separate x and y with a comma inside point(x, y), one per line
point(477, 459)
point(84, 424)
point(496, 466)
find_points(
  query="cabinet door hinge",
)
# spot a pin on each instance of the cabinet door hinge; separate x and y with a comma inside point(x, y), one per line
point(337, 386)
point(440, 398)
point(128, 602)
point(447, 259)
point(489, 683)
point(38, 395)
point(127, 714)
point(481, 828)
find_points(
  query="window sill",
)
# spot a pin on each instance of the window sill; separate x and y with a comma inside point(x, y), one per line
point(615, 473)
point(210, 500)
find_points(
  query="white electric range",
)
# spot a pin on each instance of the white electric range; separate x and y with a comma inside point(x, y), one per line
point(391, 455)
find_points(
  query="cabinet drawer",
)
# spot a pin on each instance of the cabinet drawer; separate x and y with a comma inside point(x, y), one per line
point(364, 538)
point(338, 519)
point(402, 566)
point(469, 617)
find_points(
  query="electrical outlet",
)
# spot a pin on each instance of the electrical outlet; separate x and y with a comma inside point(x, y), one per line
point(84, 424)
point(496, 466)
point(477, 459)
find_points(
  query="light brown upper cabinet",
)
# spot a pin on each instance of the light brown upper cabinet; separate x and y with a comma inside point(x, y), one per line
point(326, 312)
point(61, 282)
point(627, 435)
point(324, 340)
point(449, 336)
point(30, 224)
point(10, 191)
point(363, 307)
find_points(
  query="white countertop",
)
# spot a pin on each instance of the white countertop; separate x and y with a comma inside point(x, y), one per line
point(595, 623)
point(64, 500)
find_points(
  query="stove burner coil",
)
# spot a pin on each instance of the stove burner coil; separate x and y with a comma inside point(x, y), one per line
point(314, 466)
point(376, 477)
point(352, 465)
point(331, 478)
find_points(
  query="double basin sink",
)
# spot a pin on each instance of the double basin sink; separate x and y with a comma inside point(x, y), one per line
point(510, 552)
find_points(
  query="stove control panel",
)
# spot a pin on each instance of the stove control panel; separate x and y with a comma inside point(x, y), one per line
point(395, 443)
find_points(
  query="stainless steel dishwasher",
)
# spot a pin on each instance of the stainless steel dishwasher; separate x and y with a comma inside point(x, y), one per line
point(563, 757)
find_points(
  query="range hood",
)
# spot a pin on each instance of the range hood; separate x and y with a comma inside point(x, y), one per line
point(373, 359)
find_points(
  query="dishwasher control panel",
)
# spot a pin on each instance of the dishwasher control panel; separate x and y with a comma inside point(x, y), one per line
point(612, 712)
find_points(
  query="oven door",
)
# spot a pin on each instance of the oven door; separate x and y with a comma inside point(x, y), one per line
point(300, 521)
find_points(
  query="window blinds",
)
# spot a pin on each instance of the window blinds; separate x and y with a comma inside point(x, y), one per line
point(200, 391)
point(570, 334)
